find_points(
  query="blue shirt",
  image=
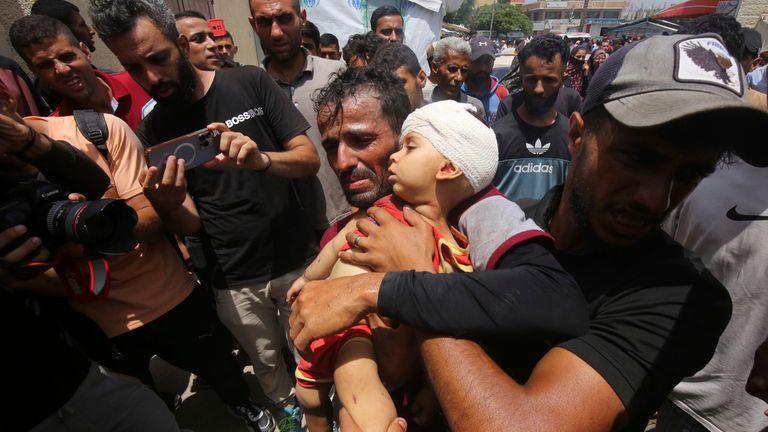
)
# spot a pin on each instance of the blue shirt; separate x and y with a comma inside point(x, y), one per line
point(758, 79)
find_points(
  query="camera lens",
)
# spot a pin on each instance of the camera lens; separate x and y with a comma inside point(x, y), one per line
point(104, 224)
point(100, 226)
point(59, 215)
point(204, 139)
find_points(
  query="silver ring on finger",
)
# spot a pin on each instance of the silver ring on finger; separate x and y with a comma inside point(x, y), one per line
point(356, 241)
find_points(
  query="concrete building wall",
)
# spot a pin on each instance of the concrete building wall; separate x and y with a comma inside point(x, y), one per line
point(10, 12)
point(235, 14)
point(103, 57)
point(750, 12)
point(487, 2)
point(562, 16)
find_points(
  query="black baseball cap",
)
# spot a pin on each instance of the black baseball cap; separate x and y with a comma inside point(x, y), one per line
point(481, 46)
point(667, 78)
point(753, 41)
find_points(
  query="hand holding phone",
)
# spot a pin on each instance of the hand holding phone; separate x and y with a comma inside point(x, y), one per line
point(195, 149)
point(238, 150)
point(166, 193)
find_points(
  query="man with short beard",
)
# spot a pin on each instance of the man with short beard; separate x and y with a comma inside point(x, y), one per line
point(655, 313)
point(533, 139)
point(480, 83)
point(359, 134)
point(255, 234)
point(300, 75)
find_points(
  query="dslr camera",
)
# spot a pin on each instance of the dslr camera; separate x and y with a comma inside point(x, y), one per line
point(104, 227)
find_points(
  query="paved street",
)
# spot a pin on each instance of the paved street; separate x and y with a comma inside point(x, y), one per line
point(201, 410)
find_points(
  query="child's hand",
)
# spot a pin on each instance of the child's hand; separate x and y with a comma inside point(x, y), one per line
point(295, 289)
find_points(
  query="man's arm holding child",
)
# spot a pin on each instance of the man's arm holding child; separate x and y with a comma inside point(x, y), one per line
point(560, 378)
point(563, 393)
point(529, 293)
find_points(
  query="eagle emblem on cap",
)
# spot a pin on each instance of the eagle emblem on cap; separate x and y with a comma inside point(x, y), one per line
point(709, 61)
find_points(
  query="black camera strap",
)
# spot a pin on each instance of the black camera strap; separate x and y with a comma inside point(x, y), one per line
point(93, 126)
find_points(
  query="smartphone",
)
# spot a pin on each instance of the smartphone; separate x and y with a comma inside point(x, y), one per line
point(195, 148)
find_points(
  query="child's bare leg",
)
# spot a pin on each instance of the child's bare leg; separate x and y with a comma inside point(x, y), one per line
point(359, 387)
point(316, 406)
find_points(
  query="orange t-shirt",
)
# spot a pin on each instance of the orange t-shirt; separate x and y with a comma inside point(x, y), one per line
point(151, 280)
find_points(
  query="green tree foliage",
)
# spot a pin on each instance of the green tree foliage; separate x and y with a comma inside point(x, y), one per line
point(463, 16)
point(508, 17)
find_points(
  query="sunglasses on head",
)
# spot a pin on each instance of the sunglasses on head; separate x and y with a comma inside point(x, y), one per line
point(388, 31)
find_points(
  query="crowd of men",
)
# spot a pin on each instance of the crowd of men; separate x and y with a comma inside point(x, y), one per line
point(624, 284)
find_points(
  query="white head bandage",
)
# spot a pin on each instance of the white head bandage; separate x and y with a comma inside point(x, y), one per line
point(460, 137)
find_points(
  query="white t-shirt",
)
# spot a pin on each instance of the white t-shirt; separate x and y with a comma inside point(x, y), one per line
point(725, 222)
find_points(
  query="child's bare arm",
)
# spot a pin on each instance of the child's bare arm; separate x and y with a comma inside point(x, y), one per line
point(322, 265)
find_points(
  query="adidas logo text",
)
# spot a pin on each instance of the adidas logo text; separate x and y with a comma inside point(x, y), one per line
point(531, 167)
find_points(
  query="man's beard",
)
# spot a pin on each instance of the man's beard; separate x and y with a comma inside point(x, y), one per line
point(285, 56)
point(365, 199)
point(580, 205)
point(479, 78)
point(537, 105)
point(185, 86)
point(580, 201)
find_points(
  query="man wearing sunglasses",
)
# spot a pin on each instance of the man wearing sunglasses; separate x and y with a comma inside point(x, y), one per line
point(449, 68)
point(387, 22)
